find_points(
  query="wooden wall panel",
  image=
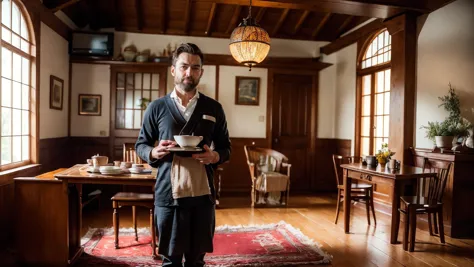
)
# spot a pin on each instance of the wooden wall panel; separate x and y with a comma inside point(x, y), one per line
point(6, 213)
point(54, 153)
point(83, 148)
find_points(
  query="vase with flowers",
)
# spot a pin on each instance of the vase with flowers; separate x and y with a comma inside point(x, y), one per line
point(384, 155)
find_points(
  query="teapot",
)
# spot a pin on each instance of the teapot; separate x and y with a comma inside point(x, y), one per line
point(101, 160)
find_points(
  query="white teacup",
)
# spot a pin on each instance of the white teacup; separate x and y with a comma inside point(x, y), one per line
point(187, 140)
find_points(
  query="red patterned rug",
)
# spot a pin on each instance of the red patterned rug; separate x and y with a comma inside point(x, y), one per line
point(255, 245)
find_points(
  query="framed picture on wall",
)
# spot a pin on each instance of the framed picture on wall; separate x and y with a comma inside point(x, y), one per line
point(56, 88)
point(247, 90)
point(90, 105)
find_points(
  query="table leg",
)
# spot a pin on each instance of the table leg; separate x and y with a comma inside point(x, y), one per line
point(395, 225)
point(347, 200)
point(79, 217)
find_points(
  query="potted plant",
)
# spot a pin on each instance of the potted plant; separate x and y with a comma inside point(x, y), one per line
point(384, 155)
point(442, 134)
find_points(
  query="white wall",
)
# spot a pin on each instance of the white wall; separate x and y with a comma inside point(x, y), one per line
point(327, 99)
point(243, 121)
point(90, 79)
point(445, 55)
point(54, 61)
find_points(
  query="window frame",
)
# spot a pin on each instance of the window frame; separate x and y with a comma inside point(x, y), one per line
point(361, 72)
point(33, 85)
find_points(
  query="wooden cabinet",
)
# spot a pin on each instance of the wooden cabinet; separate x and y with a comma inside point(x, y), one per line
point(459, 194)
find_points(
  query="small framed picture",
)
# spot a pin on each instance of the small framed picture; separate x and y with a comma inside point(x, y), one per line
point(90, 105)
point(247, 90)
point(56, 87)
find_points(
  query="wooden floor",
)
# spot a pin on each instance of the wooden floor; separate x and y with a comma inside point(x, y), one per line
point(314, 216)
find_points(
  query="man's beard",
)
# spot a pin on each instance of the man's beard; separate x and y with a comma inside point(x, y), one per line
point(187, 87)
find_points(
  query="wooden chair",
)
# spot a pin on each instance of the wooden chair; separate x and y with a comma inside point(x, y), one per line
point(429, 200)
point(359, 192)
point(122, 199)
point(133, 199)
point(277, 169)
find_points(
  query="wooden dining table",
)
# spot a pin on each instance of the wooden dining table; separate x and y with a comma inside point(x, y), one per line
point(401, 182)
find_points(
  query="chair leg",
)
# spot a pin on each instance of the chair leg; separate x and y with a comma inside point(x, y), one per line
point(153, 234)
point(338, 205)
point(367, 205)
point(116, 227)
point(372, 204)
point(441, 225)
point(435, 223)
point(406, 229)
point(252, 196)
point(412, 218)
point(134, 218)
point(430, 227)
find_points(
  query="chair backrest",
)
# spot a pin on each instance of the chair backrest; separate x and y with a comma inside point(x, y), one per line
point(437, 185)
point(130, 155)
point(271, 157)
point(338, 160)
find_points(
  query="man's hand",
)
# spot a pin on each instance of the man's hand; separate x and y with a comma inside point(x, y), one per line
point(160, 151)
point(208, 157)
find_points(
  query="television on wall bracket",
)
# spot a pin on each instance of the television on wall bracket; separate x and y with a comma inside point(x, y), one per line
point(92, 44)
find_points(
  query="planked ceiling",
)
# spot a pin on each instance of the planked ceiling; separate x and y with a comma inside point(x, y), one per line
point(316, 20)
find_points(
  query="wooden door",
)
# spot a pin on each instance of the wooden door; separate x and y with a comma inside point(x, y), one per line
point(294, 123)
point(130, 85)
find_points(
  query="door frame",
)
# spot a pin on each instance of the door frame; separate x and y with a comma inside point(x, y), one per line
point(313, 118)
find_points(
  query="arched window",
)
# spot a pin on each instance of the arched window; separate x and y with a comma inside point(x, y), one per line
point(373, 105)
point(17, 45)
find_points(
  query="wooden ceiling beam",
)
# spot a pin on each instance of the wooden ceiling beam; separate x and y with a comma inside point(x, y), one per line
point(352, 37)
point(280, 21)
point(117, 17)
point(260, 14)
point(64, 5)
point(300, 22)
point(139, 10)
point(233, 21)
point(343, 26)
point(211, 18)
point(320, 26)
point(163, 16)
point(187, 15)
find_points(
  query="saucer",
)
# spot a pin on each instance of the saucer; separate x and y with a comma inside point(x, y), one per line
point(181, 149)
point(134, 171)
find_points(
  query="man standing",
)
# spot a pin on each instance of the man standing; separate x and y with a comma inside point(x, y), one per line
point(184, 189)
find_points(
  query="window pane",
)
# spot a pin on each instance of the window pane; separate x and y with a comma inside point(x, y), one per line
point(369, 52)
point(378, 145)
point(364, 146)
point(138, 96)
point(120, 119)
point(15, 18)
point(385, 141)
point(155, 79)
point(6, 63)
point(369, 62)
point(17, 120)
point(24, 29)
point(25, 128)
point(138, 81)
point(387, 80)
point(147, 94)
point(380, 41)
point(25, 46)
point(6, 93)
point(374, 61)
point(120, 80)
point(366, 105)
point(25, 97)
point(16, 40)
point(387, 103)
point(146, 80)
point(120, 101)
point(6, 12)
point(137, 120)
point(6, 121)
point(16, 67)
point(16, 149)
point(6, 35)
point(378, 125)
point(366, 84)
point(365, 126)
point(25, 71)
point(379, 104)
point(379, 82)
point(379, 59)
point(129, 99)
point(129, 81)
point(16, 95)
point(386, 126)
point(6, 150)
point(154, 95)
point(25, 146)
point(129, 119)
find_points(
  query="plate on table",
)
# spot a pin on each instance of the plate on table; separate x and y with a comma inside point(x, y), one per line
point(135, 171)
point(184, 149)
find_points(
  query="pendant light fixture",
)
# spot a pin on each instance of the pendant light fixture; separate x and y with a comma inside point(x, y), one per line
point(249, 43)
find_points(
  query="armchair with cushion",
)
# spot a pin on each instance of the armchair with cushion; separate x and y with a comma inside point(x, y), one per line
point(269, 172)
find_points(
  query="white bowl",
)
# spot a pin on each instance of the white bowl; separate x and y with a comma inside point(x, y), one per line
point(187, 140)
